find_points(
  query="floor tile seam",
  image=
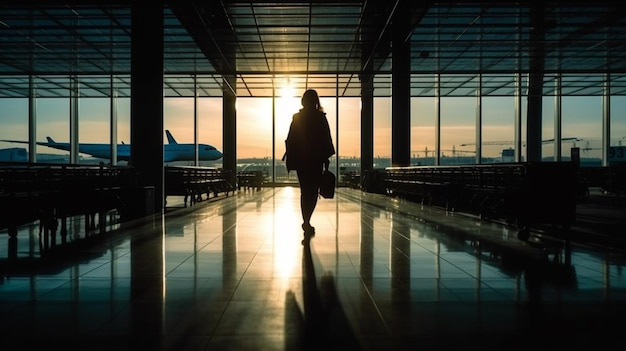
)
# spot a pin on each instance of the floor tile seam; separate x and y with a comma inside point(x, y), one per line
point(107, 239)
point(368, 291)
point(229, 300)
point(460, 268)
point(202, 207)
point(185, 215)
point(248, 265)
point(455, 291)
point(234, 205)
point(396, 209)
point(240, 205)
point(82, 276)
point(385, 235)
point(193, 254)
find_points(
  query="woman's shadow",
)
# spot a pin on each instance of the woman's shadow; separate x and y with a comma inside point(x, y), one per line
point(323, 322)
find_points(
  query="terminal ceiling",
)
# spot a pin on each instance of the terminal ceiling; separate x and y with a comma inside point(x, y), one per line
point(326, 45)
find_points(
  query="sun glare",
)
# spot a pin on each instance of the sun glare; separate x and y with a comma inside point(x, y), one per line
point(287, 104)
point(288, 91)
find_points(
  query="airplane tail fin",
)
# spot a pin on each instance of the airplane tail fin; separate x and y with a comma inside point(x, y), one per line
point(50, 140)
point(170, 138)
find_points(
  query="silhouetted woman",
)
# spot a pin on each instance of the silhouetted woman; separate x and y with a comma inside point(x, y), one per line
point(309, 146)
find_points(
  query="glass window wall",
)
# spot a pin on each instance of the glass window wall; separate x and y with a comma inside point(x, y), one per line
point(458, 127)
point(498, 129)
point(582, 129)
point(210, 127)
point(53, 122)
point(382, 132)
point(94, 127)
point(617, 142)
point(13, 126)
point(178, 118)
point(547, 128)
point(423, 131)
point(286, 104)
point(254, 135)
point(349, 139)
point(263, 123)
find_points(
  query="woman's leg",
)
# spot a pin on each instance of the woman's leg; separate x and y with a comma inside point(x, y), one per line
point(309, 189)
point(308, 201)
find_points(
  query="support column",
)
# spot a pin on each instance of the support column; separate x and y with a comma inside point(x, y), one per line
point(146, 122)
point(196, 156)
point(606, 120)
point(32, 120)
point(558, 122)
point(368, 52)
point(518, 118)
point(229, 123)
point(437, 150)
point(535, 84)
point(367, 124)
point(533, 118)
point(113, 121)
point(401, 87)
point(336, 137)
point(479, 120)
point(74, 112)
point(274, 152)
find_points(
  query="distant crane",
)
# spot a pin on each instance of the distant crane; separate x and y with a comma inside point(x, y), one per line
point(489, 143)
point(588, 147)
point(454, 151)
point(508, 142)
point(417, 153)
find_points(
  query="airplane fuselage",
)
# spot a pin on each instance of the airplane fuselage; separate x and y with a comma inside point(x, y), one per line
point(171, 152)
point(186, 152)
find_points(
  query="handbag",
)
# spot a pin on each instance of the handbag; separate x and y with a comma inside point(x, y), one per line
point(327, 186)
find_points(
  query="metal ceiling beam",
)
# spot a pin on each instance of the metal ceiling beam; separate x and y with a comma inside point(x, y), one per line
point(209, 26)
point(379, 14)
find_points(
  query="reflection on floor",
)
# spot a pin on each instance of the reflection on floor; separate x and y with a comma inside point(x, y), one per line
point(237, 274)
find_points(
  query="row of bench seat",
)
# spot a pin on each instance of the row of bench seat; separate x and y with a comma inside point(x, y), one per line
point(250, 180)
point(523, 194)
point(198, 183)
point(51, 193)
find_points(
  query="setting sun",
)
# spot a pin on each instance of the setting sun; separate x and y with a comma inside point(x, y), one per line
point(287, 91)
point(287, 104)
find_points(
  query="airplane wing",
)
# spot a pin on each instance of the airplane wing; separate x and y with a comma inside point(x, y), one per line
point(42, 143)
point(15, 141)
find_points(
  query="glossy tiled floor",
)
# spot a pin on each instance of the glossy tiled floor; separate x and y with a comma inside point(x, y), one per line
point(236, 274)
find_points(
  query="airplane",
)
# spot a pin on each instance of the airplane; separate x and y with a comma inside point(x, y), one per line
point(172, 151)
